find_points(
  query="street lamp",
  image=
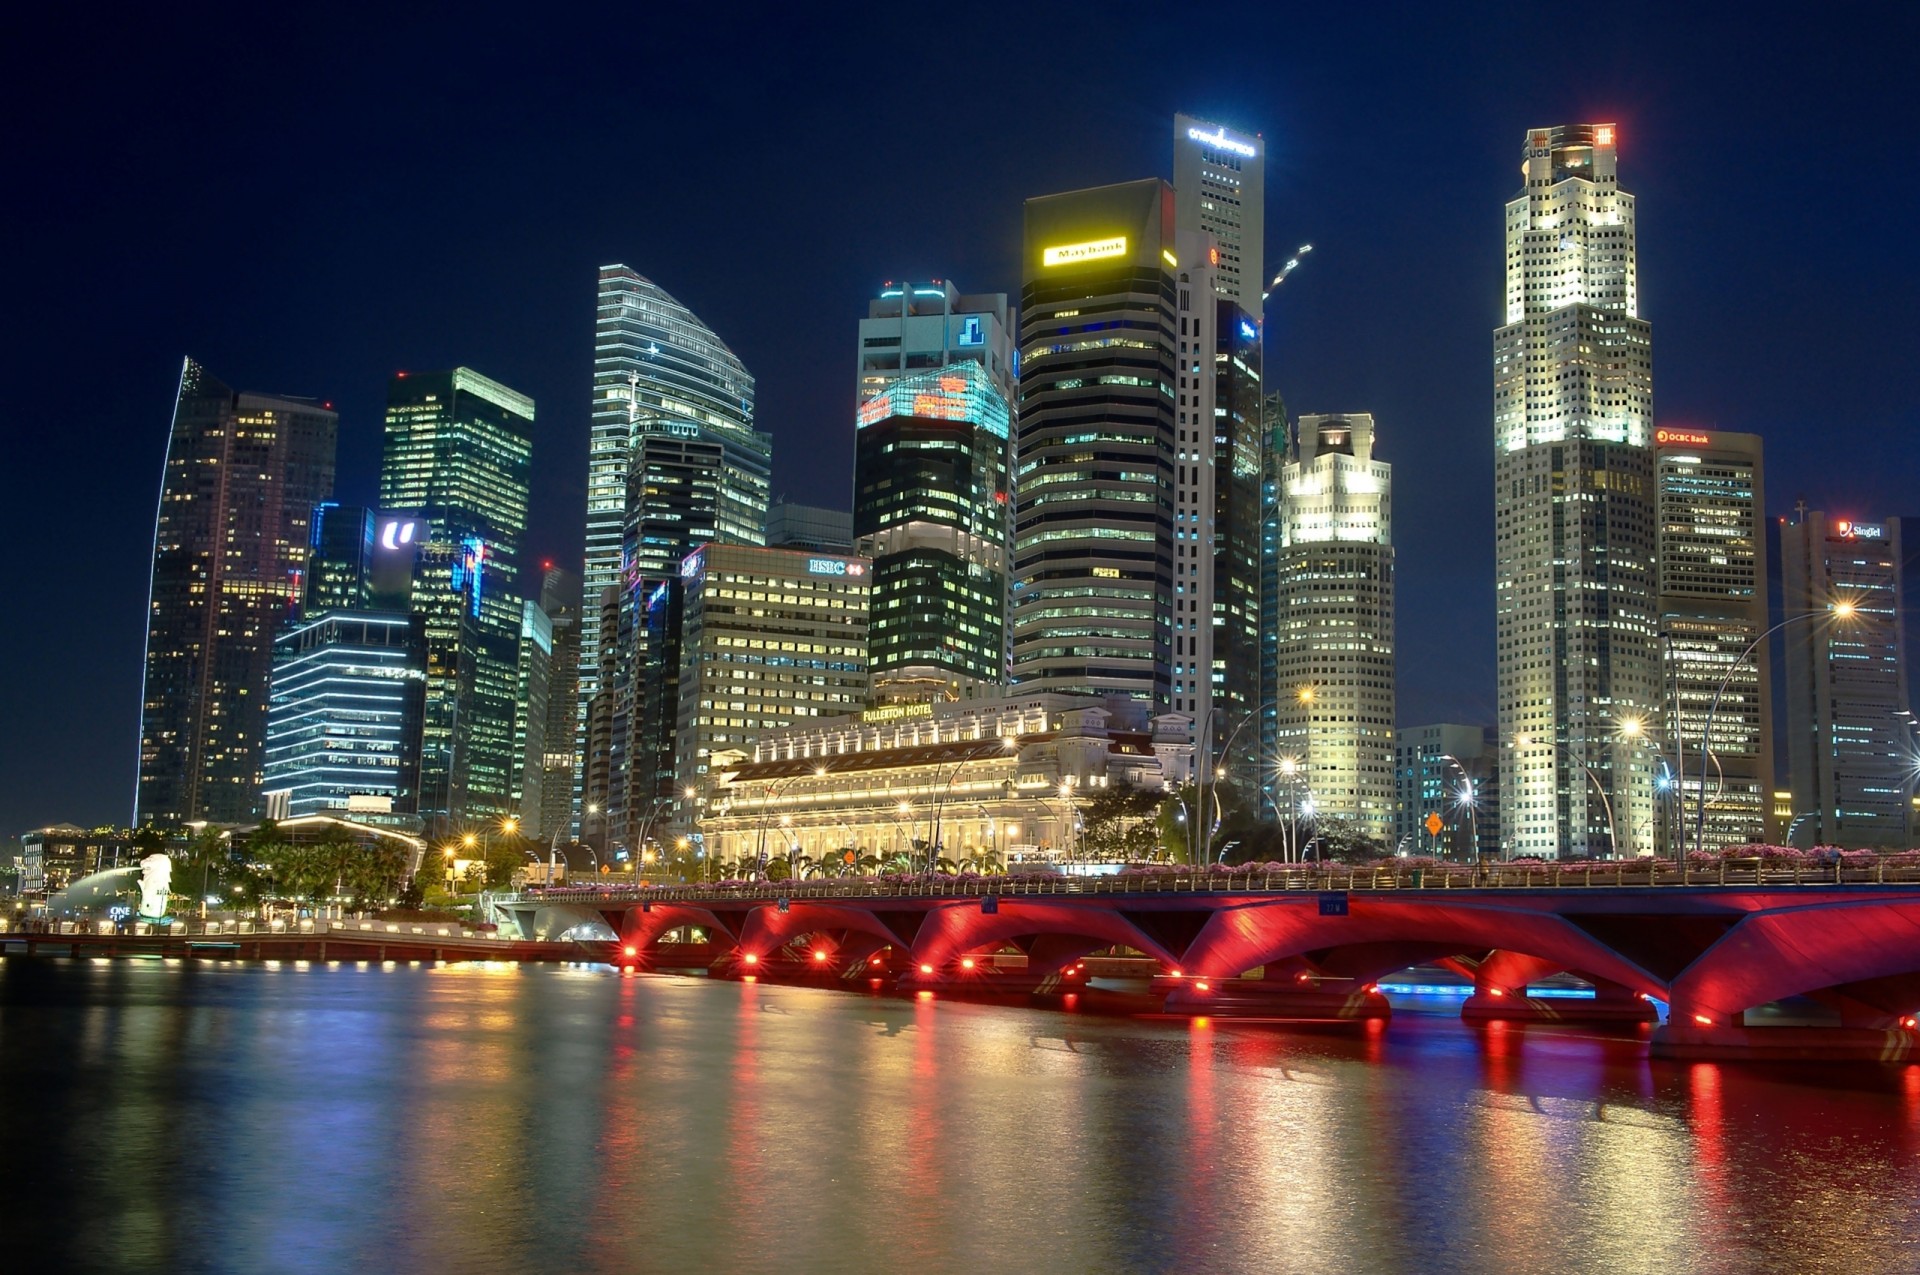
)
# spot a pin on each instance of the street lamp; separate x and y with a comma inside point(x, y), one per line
point(1606, 803)
point(1843, 609)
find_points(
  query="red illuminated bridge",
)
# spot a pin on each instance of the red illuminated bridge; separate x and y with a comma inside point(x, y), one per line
point(1716, 945)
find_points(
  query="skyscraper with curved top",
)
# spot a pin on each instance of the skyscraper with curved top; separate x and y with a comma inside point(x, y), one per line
point(673, 462)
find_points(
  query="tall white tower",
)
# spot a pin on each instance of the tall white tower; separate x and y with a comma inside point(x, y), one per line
point(1573, 506)
point(1334, 664)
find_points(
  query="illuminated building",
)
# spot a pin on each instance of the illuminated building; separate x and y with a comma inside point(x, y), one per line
point(231, 538)
point(533, 676)
point(1094, 602)
point(768, 637)
point(1712, 607)
point(343, 726)
point(341, 562)
point(931, 512)
point(1334, 649)
point(791, 525)
point(1220, 177)
point(560, 763)
point(673, 461)
point(54, 857)
point(1573, 506)
point(1851, 750)
point(1000, 778)
point(918, 327)
point(458, 452)
point(1276, 446)
point(1450, 771)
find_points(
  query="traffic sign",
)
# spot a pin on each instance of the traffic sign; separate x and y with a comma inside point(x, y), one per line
point(1434, 823)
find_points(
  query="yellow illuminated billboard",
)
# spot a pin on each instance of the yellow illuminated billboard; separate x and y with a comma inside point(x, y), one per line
point(1068, 254)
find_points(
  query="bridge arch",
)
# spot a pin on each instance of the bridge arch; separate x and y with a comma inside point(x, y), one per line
point(1796, 950)
point(957, 928)
point(1269, 931)
point(767, 928)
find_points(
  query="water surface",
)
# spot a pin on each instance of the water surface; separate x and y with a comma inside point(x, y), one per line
point(339, 1117)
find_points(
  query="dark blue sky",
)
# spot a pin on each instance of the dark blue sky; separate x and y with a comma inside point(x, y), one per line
point(307, 201)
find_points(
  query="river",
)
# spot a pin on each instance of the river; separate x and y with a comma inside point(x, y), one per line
point(292, 1117)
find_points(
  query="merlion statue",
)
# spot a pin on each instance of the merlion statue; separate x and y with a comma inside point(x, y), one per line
point(156, 876)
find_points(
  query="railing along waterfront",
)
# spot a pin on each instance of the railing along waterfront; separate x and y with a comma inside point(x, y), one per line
point(1643, 873)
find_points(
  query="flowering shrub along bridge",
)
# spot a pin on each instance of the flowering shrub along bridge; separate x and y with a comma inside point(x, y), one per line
point(1716, 940)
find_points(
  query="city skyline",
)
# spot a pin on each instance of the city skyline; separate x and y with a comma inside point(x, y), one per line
point(1446, 661)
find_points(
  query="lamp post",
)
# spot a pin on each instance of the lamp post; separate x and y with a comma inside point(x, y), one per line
point(1841, 610)
point(1606, 803)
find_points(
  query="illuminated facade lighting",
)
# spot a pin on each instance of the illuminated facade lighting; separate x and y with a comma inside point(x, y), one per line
point(1574, 504)
point(1335, 652)
point(231, 542)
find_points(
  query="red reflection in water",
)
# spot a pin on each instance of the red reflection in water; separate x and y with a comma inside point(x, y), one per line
point(1200, 1183)
point(1499, 1054)
point(926, 1162)
point(1706, 1087)
point(1911, 1083)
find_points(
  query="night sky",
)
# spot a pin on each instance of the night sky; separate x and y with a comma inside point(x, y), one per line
point(308, 202)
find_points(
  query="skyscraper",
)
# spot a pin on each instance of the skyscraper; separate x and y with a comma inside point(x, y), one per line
point(1334, 658)
point(341, 563)
point(533, 678)
point(674, 460)
point(1850, 743)
point(1094, 605)
point(1713, 606)
point(930, 509)
point(458, 453)
point(916, 327)
point(792, 525)
point(1220, 180)
point(560, 764)
point(1573, 505)
point(231, 539)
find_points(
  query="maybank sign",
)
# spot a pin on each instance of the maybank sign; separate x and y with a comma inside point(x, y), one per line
point(1068, 254)
point(1219, 140)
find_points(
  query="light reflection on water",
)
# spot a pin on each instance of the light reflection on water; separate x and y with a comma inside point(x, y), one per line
point(333, 1117)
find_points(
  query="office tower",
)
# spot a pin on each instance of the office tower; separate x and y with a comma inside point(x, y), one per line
point(1276, 449)
point(1850, 743)
point(603, 753)
point(1220, 177)
point(1449, 772)
point(1232, 463)
point(1094, 606)
point(674, 460)
point(231, 538)
point(795, 526)
point(560, 764)
point(1573, 505)
point(533, 673)
point(1712, 570)
point(343, 725)
point(458, 452)
point(1334, 662)
point(917, 327)
point(340, 565)
point(769, 637)
point(930, 510)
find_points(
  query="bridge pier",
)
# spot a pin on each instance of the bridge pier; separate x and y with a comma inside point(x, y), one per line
point(1501, 979)
point(1735, 1042)
point(1270, 998)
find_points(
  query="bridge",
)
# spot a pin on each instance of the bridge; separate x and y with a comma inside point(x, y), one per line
point(1720, 947)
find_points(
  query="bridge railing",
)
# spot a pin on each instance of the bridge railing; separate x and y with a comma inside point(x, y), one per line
point(1643, 873)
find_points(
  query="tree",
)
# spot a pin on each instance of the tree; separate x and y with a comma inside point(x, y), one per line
point(1120, 822)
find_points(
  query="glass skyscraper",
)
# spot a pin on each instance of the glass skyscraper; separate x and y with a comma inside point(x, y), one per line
point(458, 452)
point(230, 547)
point(931, 510)
point(673, 463)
